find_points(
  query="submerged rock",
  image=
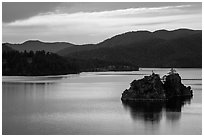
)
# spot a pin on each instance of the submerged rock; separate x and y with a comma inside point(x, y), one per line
point(151, 88)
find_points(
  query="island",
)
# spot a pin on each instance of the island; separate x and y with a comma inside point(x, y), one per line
point(154, 88)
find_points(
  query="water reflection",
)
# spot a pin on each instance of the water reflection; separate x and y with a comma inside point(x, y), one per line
point(90, 104)
point(174, 106)
point(154, 111)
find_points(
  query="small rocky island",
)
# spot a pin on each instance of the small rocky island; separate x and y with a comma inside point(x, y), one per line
point(152, 88)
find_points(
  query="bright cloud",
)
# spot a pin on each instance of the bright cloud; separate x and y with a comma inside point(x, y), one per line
point(93, 27)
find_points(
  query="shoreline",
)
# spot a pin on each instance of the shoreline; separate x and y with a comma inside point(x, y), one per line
point(155, 69)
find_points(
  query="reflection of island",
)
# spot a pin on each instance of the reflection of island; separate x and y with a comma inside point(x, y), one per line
point(144, 110)
point(152, 111)
point(173, 108)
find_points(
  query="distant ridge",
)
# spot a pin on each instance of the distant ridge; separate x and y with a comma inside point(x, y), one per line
point(133, 37)
point(121, 39)
point(136, 36)
point(36, 45)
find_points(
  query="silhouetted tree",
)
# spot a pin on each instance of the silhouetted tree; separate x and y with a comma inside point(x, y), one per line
point(38, 63)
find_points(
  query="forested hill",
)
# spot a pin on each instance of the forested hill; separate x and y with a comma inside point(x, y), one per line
point(127, 51)
point(134, 37)
point(179, 48)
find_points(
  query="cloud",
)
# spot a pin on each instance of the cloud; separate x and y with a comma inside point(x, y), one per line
point(102, 23)
point(12, 11)
point(60, 18)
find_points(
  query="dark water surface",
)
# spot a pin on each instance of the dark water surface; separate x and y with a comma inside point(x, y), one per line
point(89, 103)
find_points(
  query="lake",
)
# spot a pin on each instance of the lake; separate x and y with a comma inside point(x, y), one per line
point(89, 103)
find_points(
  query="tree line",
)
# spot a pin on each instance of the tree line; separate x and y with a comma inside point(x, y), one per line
point(15, 63)
point(38, 63)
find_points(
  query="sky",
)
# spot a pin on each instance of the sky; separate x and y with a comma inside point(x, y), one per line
point(93, 22)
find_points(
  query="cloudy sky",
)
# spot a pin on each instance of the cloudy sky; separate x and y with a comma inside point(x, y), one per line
point(82, 23)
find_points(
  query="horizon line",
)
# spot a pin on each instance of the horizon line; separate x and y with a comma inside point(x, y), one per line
point(168, 30)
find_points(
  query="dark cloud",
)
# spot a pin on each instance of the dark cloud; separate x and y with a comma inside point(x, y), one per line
point(106, 6)
point(12, 11)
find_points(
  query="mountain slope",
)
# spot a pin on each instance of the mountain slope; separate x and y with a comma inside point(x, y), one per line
point(185, 51)
point(131, 38)
point(6, 48)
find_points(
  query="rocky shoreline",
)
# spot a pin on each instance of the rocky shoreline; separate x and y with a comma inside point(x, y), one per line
point(151, 88)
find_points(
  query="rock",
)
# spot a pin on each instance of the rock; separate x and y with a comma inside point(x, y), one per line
point(151, 88)
point(148, 88)
point(174, 87)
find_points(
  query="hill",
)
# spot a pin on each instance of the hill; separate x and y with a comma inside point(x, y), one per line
point(130, 38)
point(36, 45)
point(178, 48)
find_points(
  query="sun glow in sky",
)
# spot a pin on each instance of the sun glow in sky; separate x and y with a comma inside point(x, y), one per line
point(82, 23)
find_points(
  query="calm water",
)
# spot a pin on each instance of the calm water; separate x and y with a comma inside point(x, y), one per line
point(89, 103)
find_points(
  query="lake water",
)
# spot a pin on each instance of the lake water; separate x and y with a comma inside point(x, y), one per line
point(89, 103)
